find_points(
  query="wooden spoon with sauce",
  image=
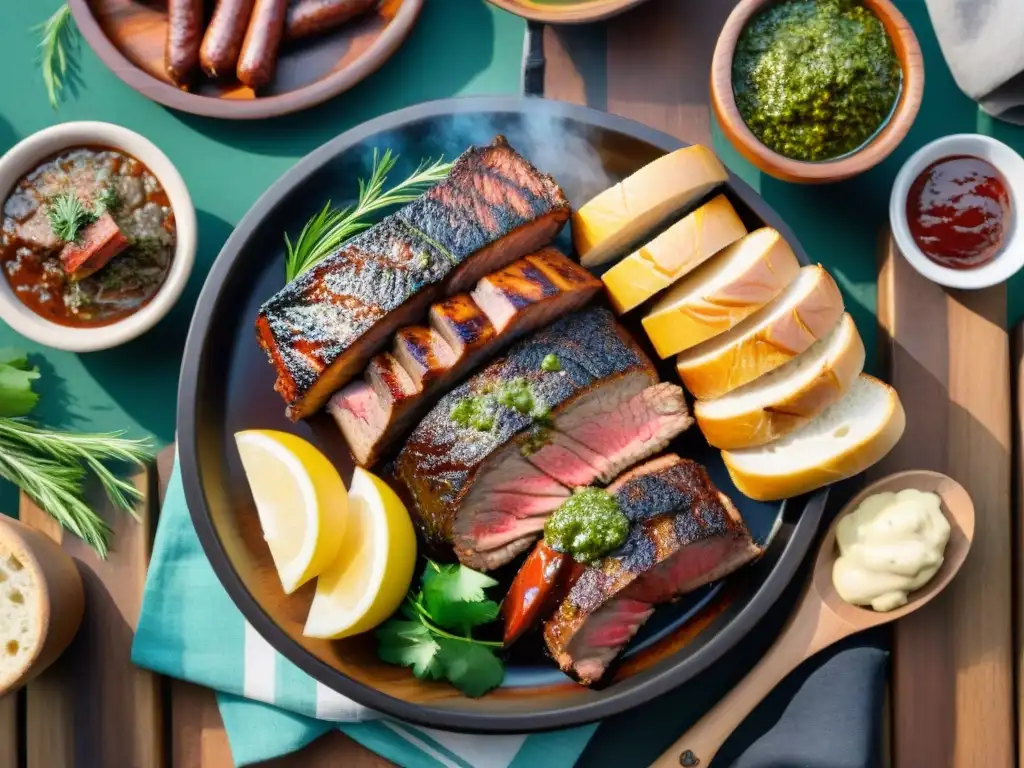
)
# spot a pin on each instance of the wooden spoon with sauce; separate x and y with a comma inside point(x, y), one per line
point(823, 618)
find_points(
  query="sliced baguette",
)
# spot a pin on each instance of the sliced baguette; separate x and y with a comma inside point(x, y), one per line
point(788, 397)
point(41, 603)
point(843, 441)
point(674, 253)
point(806, 310)
point(721, 292)
point(608, 225)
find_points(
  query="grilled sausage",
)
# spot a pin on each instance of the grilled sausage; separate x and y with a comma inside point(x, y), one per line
point(313, 17)
point(184, 33)
point(223, 39)
point(258, 60)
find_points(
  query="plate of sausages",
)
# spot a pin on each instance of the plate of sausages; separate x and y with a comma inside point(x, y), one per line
point(244, 59)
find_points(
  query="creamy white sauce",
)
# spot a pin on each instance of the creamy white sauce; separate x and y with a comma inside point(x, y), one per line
point(889, 546)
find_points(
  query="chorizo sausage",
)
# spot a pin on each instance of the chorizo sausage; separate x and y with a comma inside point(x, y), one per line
point(258, 59)
point(314, 17)
point(222, 42)
point(544, 578)
point(184, 33)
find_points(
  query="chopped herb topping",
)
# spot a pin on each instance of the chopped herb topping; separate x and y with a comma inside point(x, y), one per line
point(68, 216)
point(107, 201)
point(479, 411)
point(550, 363)
point(588, 525)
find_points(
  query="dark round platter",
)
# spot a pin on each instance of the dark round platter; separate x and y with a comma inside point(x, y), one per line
point(227, 385)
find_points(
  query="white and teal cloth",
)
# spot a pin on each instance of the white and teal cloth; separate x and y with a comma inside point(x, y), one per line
point(190, 629)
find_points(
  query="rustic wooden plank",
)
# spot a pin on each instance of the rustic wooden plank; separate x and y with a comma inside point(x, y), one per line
point(575, 64)
point(10, 736)
point(948, 354)
point(659, 57)
point(1017, 372)
point(94, 707)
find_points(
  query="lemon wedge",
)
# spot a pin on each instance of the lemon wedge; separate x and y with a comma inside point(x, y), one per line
point(300, 499)
point(373, 568)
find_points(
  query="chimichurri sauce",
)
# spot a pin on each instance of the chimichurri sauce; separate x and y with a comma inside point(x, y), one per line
point(815, 79)
point(588, 525)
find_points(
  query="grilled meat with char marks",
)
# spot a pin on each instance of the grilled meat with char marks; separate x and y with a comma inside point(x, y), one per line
point(463, 330)
point(479, 489)
point(684, 534)
point(321, 329)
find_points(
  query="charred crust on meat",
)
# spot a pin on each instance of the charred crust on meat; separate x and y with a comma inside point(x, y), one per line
point(309, 325)
point(441, 458)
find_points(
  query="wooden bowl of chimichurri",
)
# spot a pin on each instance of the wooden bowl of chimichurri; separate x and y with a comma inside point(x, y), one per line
point(816, 91)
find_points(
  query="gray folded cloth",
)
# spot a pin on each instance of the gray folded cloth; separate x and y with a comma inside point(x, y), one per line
point(983, 42)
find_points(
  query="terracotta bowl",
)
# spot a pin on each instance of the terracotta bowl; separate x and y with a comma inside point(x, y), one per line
point(723, 101)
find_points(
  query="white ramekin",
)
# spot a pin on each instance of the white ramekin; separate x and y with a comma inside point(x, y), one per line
point(28, 154)
point(1010, 259)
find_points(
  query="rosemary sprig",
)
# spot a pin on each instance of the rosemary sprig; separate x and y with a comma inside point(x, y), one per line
point(51, 467)
point(68, 215)
point(56, 35)
point(325, 232)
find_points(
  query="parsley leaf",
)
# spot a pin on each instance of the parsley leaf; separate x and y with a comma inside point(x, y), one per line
point(454, 583)
point(16, 377)
point(452, 600)
point(463, 616)
point(472, 668)
point(410, 644)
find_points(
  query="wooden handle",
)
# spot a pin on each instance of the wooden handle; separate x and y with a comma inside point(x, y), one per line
point(811, 627)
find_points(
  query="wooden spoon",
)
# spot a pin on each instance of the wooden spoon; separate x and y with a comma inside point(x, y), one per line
point(823, 618)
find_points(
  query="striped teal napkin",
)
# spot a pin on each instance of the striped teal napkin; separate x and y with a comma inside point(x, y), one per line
point(190, 629)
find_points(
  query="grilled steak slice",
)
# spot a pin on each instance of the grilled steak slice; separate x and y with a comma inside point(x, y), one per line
point(459, 477)
point(320, 330)
point(608, 434)
point(684, 534)
point(463, 329)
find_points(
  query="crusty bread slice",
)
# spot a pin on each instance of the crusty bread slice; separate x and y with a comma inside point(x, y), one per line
point(806, 310)
point(843, 441)
point(722, 292)
point(675, 252)
point(626, 213)
point(41, 603)
point(788, 397)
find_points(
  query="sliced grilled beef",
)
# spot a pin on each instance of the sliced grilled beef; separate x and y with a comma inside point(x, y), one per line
point(320, 330)
point(606, 435)
point(684, 534)
point(463, 329)
point(478, 489)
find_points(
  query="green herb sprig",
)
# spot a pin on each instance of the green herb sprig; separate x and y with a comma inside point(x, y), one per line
point(51, 466)
point(55, 40)
point(435, 638)
point(68, 216)
point(331, 227)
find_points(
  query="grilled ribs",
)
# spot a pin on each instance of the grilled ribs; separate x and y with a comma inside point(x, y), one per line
point(321, 329)
point(374, 412)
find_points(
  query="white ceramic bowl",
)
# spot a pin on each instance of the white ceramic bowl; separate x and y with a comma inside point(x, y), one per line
point(1010, 259)
point(28, 154)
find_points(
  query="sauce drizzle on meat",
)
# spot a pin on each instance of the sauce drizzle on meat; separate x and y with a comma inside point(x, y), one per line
point(130, 216)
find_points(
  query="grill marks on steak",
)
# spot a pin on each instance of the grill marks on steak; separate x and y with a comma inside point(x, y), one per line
point(483, 491)
point(320, 330)
point(684, 534)
point(463, 329)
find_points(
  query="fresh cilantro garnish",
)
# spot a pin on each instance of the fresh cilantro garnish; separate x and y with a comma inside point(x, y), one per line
point(16, 377)
point(451, 600)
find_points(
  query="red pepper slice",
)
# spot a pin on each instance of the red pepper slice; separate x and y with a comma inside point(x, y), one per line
point(537, 587)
